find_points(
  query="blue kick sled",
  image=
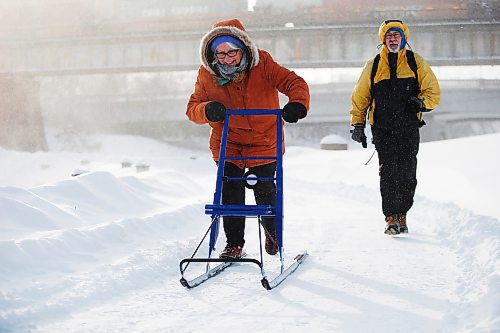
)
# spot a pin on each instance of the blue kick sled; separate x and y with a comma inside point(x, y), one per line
point(217, 210)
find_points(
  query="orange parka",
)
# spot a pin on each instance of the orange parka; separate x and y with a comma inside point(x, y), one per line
point(257, 88)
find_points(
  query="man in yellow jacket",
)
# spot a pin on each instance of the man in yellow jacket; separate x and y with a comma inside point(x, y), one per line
point(396, 86)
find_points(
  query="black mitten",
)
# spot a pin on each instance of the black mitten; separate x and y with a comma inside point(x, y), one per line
point(415, 105)
point(293, 111)
point(215, 111)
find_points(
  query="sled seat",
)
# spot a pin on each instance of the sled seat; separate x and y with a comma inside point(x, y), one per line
point(240, 210)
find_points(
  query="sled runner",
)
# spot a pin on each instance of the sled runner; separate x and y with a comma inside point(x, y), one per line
point(217, 210)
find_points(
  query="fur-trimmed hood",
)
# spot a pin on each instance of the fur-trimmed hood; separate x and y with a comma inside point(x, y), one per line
point(234, 28)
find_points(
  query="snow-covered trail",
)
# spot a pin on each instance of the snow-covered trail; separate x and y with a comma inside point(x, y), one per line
point(109, 271)
point(355, 279)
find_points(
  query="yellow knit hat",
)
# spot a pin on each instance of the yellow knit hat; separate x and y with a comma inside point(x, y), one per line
point(397, 24)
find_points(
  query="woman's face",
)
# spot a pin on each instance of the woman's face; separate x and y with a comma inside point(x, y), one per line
point(227, 55)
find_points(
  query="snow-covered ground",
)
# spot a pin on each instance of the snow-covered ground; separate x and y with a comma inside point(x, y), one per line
point(100, 252)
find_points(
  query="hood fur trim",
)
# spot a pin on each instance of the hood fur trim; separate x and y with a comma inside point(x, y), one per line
point(232, 28)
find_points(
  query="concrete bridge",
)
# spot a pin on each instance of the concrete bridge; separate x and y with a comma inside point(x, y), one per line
point(453, 43)
point(48, 73)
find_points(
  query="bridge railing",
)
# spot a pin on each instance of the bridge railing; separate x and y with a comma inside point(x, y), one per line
point(329, 46)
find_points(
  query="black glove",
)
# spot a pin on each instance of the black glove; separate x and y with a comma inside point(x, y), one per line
point(293, 111)
point(415, 105)
point(215, 111)
point(358, 135)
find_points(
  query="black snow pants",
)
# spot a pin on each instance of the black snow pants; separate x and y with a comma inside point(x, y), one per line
point(397, 153)
point(233, 193)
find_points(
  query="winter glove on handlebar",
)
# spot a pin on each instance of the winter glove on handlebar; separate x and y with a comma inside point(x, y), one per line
point(358, 135)
point(293, 111)
point(215, 111)
point(415, 105)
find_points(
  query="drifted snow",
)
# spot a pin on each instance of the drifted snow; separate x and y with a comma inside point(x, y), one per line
point(100, 252)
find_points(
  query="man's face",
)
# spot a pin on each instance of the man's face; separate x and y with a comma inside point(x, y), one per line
point(393, 41)
point(226, 55)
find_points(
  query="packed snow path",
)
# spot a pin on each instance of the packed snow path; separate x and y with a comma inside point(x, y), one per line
point(100, 252)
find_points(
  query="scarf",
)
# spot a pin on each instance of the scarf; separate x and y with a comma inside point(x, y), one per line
point(229, 72)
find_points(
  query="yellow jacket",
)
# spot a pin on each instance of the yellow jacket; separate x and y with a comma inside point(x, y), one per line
point(430, 91)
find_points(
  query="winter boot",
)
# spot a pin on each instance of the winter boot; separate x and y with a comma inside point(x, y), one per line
point(392, 226)
point(231, 252)
point(271, 243)
point(403, 228)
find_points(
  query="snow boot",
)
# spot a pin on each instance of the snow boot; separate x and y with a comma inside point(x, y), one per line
point(403, 228)
point(271, 243)
point(231, 252)
point(392, 225)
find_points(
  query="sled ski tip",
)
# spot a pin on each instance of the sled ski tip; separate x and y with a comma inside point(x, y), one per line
point(265, 284)
point(185, 283)
point(299, 258)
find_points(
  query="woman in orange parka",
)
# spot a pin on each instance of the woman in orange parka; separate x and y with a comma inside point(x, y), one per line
point(236, 75)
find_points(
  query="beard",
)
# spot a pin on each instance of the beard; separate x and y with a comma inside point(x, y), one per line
point(393, 47)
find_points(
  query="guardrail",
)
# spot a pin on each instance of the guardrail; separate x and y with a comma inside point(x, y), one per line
point(442, 44)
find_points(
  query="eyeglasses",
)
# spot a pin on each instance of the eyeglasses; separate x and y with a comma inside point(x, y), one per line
point(230, 54)
point(395, 35)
